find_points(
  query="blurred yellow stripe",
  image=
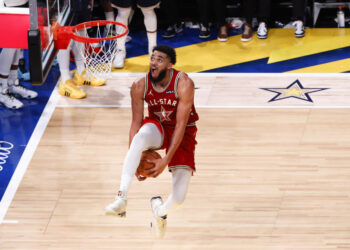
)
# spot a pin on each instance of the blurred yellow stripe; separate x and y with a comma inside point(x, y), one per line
point(315, 41)
point(207, 55)
point(280, 46)
point(331, 67)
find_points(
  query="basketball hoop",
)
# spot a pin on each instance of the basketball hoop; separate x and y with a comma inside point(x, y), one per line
point(97, 41)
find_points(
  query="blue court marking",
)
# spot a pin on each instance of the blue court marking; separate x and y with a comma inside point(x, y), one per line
point(288, 65)
point(17, 126)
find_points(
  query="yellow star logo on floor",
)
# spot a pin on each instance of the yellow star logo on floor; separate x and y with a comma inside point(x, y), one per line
point(294, 90)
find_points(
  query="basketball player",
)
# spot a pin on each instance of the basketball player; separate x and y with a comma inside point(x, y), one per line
point(9, 83)
point(150, 20)
point(170, 125)
point(68, 84)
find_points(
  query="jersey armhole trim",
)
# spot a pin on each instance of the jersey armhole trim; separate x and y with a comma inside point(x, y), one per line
point(146, 87)
point(176, 83)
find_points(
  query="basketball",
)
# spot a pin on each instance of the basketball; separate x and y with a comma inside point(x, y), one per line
point(144, 164)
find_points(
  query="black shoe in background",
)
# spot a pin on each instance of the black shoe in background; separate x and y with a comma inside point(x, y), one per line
point(169, 32)
point(204, 31)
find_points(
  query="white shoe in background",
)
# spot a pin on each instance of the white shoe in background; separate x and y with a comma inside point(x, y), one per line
point(299, 29)
point(119, 59)
point(262, 31)
point(19, 90)
point(9, 101)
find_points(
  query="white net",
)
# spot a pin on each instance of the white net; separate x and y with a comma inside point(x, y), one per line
point(98, 56)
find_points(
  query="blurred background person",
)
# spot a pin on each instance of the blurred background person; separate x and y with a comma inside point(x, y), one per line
point(150, 20)
point(261, 8)
point(174, 23)
point(10, 87)
point(219, 8)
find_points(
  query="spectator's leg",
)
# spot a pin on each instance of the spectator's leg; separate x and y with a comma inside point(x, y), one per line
point(122, 17)
point(249, 10)
point(220, 14)
point(299, 9)
point(150, 20)
point(264, 10)
point(203, 7)
point(298, 16)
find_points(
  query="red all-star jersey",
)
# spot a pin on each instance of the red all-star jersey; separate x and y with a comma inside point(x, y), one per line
point(162, 104)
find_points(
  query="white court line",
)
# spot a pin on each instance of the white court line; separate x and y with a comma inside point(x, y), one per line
point(28, 153)
point(211, 107)
point(320, 75)
point(10, 222)
point(214, 74)
point(92, 106)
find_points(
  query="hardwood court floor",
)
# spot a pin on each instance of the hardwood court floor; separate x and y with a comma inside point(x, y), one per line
point(268, 178)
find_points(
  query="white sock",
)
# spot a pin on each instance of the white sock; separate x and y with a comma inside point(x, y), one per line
point(63, 57)
point(181, 179)
point(150, 20)
point(147, 137)
point(122, 17)
point(6, 59)
point(21, 54)
point(17, 55)
point(3, 85)
point(13, 76)
point(77, 48)
point(109, 16)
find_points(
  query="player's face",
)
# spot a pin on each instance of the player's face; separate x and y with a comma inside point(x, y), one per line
point(159, 65)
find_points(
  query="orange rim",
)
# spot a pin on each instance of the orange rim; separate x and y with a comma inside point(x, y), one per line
point(90, 24)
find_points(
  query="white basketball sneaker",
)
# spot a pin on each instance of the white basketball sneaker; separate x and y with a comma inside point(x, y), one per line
point(119, 59)
point(262, 31)
point(118, 207)
point(19, 90)
point(9, 101)
point(299, 29)
point(158, 224)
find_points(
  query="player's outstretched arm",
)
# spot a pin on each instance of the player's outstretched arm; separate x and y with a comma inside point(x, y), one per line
point(137, 106)
point(185, 93)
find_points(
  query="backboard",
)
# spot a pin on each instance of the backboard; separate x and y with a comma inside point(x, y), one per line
point(30, 28)
point(41, 50)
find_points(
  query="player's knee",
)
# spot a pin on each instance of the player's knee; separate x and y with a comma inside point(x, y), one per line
point(141, 139)
point(149, 14)
point(149, 11)
point(150, 20)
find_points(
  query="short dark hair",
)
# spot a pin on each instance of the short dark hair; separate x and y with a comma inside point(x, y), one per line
point(169, 51)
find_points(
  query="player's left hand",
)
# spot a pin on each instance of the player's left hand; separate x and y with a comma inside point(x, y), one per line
point(140, 177)
point(159, 166)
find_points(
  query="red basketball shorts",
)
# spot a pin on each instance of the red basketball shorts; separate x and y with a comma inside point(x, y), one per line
point(184, 155)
